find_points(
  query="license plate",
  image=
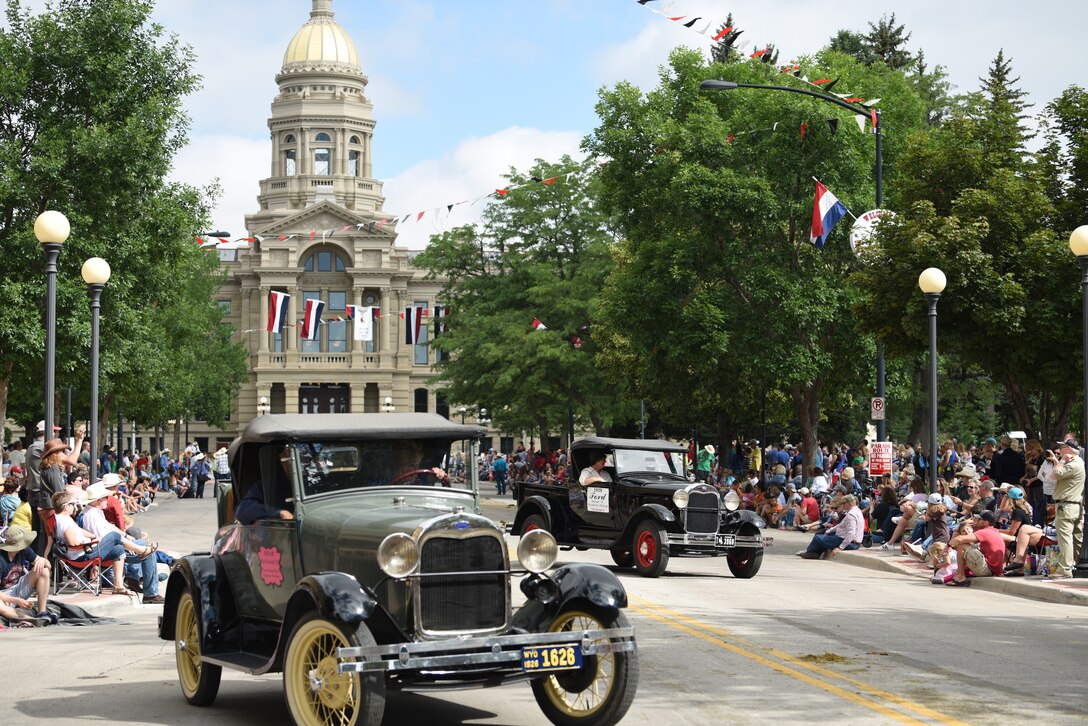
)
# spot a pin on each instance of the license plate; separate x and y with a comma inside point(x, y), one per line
point(551, 658)
point(727, 540)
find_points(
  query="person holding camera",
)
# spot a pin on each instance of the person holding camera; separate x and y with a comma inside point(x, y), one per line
point(1069, 505)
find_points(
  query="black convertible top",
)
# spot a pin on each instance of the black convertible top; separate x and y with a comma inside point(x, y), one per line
point(601, 442)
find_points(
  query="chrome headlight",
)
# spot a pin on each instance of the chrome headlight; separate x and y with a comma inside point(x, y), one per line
point(398, 555)
point(731, 501)
point(537, 550)
point(680, 498)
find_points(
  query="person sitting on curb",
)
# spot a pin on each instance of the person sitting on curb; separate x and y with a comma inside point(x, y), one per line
point(846, 535)
point(79, 545)
point(942, 559)
point(806, 511)
point(23, 573)
point(982, 551)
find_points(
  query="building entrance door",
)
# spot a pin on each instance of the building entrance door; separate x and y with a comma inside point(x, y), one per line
point(324, 398)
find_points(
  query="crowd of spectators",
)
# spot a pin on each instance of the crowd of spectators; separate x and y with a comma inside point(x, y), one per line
point(49, 508)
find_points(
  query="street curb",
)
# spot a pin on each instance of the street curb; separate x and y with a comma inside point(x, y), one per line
point(1068, 592)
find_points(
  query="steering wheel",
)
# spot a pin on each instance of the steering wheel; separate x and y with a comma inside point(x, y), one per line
point(417, 472)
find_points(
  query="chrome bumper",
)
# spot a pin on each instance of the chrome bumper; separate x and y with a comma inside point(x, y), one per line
point(719, 541)
point(496, 650)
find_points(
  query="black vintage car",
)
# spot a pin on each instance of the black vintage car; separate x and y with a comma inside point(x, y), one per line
point(387, 577)
point(646, 513)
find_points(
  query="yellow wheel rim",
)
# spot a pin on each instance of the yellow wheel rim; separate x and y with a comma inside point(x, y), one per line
point(187, 645)
point(582, 703)
point(319, 695)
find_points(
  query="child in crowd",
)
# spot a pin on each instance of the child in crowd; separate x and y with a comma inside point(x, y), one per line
point(942, 559)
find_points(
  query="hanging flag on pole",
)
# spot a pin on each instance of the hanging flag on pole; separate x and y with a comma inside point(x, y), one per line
point(312, 319)
point(413, 319)
point(827, 210)
point(277, 311)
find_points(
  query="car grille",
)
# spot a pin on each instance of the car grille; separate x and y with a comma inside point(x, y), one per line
point(702, 513)
point(462, 602)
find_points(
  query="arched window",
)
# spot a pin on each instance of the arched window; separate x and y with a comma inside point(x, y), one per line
point(353, 163)
point(322, 137)
point(324, 261)
point(289, 139)
point(355, 140)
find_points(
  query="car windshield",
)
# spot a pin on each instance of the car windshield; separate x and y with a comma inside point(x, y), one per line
point(632, 460)
point(334, 466)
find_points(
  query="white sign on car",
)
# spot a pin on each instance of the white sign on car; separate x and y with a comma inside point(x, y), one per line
point(597, 499)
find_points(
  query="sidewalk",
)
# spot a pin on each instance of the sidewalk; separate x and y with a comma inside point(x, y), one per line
point(179, 526)
point(1069, 592)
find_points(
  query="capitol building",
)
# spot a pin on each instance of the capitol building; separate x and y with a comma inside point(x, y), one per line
point(321, 235)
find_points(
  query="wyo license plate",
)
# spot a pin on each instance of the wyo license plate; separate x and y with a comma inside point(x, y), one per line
point(551, 658)
point(727, 540)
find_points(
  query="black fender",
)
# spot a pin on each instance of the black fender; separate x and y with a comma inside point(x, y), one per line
point(535, 504)
point(658, 512)
point(197, 573)
point(339, 598)
point(578, 584)
point(741, 516)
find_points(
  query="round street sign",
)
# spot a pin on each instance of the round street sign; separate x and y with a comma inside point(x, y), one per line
point(862, 231)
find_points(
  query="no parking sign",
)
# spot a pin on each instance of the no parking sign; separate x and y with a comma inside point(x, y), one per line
point(880, 458)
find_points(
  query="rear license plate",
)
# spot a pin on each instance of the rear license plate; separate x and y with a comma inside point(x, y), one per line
point(727, 540)
point(551, 658)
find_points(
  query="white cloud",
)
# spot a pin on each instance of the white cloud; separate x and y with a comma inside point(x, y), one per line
point(475, 167)
point(239, 164)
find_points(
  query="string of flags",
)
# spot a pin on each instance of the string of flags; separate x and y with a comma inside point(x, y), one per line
point(363, 317)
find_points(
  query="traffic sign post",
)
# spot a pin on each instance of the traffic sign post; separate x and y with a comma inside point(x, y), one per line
point(877, 409)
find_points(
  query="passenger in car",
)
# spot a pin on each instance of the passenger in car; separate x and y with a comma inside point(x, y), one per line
point(595, 472)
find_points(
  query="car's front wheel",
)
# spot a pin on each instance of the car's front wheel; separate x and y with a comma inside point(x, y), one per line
point(533, 521)
point(199, 680)
point(317, 693)
point(600, 692)
point(622, 557)
point(744, 562)
point(650, 549)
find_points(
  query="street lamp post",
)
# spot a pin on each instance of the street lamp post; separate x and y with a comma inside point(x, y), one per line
point(52, 229)
point(1078, 243)
point(463, 410)
point(263, 408)
point(96, 273)
point(878, 174)
point(932, 282)
point(388, 406)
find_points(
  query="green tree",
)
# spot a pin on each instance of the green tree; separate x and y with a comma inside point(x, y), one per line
point(733, 294)
point(1002, 112)
point(933, 87)
point(542, 253)
point(852, 43)
point(1064, 158)
point(887, 42)
point(91, 115)
point(725, 50)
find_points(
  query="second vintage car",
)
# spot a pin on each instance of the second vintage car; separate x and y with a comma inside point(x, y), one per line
point(645, 511)
point(347, 560)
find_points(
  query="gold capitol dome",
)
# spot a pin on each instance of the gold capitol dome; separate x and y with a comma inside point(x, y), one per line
point(321, 44)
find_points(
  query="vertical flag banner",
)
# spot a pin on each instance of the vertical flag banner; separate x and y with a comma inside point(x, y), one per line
point(440, 312)
point(827, 210)
point(277, 311)
point(312, 319)
point(413, 319)
point(364, 324)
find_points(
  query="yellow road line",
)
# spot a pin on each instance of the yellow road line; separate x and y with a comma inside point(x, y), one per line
point(904, 703)
point(784, 669)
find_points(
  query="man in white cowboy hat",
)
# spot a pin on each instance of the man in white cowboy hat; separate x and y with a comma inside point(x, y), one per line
point(222, 465)
point(966, 476)
point(200, 472)
point(115, 508)
point(702, 462)
point(23, 573)
point(143, 567)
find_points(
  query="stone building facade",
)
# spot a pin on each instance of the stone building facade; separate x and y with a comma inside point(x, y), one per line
point(319, 238)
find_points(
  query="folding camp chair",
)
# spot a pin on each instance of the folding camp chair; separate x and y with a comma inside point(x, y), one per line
point(74, 575)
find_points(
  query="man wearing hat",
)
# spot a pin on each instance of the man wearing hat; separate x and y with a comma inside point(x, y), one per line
point(702, 462)
point(1068, 504)
point(200, 472)
point(983, 551)
point(115, 508)
point(222, 465)
point(22, 574)
point(143, 566)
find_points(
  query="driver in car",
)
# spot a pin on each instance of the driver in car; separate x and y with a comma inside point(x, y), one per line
point(413, 469)
point(252, 507)
point(595, 472)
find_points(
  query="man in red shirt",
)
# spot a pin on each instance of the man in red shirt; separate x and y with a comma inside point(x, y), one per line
point(115, 508)
point(983, 551)
point(807, 511)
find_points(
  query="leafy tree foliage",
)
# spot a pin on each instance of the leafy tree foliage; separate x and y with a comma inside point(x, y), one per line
point(717, 289)
point(91, 96)
point(1001, 113)
point(1064, 158)
point(542, 253)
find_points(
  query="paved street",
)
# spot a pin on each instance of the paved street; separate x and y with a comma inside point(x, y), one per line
point(803, 641)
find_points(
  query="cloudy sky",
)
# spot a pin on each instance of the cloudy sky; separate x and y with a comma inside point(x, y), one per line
point(465, 89)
